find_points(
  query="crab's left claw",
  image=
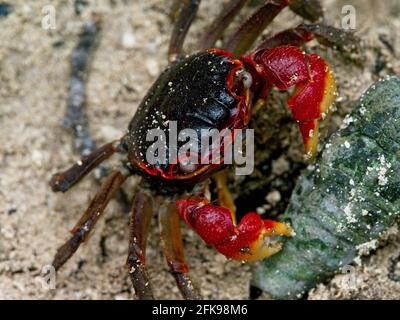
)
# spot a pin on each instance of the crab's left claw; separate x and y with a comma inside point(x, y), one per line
point(314, 85)
point(252, 239)
point(312, 100)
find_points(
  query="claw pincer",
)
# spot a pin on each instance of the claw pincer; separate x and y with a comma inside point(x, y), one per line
point(314, 86)
point(252, 239)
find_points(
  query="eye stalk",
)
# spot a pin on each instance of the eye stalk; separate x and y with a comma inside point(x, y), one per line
point(245, 77)
point(188, 163)
point(187, 166)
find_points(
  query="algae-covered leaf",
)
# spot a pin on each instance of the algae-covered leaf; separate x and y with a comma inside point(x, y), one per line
point(349, 197)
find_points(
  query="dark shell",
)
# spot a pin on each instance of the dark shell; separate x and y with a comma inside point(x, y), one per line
point(193, 92)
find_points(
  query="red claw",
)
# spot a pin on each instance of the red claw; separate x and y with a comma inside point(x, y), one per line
point(313, 81)
point(312, 99)
point(248, 241)
point(283, 67)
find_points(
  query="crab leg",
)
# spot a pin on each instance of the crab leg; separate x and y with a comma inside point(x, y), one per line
point(329, 36)
point(252, 239)
point(63, 181)
point(308, 9)
point(224, 195)
point(221, 22)
point(88, 220)
point(249, 31)
point(294, 37)
point(252, 28)
point(313, 82)
point(142, 212)
point(187, 13)
point(171, 240)
point(175, 9)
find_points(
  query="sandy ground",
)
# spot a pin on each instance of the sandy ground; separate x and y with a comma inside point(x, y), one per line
point(34, 68)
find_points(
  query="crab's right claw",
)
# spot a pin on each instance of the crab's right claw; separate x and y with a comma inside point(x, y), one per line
point(252, 239)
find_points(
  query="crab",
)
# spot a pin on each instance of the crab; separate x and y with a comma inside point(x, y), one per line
point(213, 88)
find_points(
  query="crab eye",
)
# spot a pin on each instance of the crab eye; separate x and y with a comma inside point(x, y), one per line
point(246, 78)
point(187, 166)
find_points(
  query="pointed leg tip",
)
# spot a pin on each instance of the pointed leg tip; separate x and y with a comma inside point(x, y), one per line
point(66, 251)
point(56, 184)
point(58, 261)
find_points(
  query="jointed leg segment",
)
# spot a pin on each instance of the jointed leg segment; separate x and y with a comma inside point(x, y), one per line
point(224, 195)
point(221, 22)
point(65, 180)
point(252, 28)
point(142, 212)
point(187, 13)
point(88, 220)
point(343, 41)
point(171, 240)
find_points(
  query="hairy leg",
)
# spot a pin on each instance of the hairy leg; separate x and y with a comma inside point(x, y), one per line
point(88, 220)
point(251, 29)
point(343, 41)
point(308, 9)
point(224, 195)
point(220, 23)
point(142, 212)
point(63, 181)
point(186, 15)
